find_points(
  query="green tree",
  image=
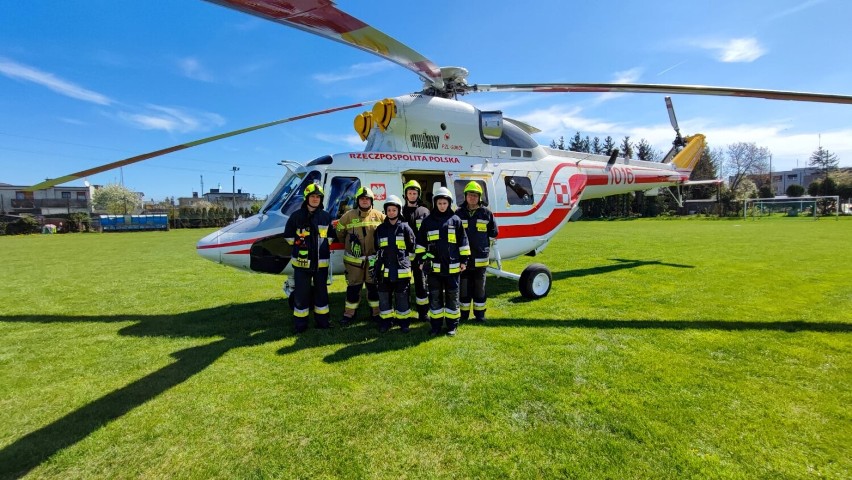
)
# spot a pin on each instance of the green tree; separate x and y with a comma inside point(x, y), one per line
point(644, 151)
point(626, 148)
point(597, 148)
point(824, 161)
point(608, 146)
point(706, 169)
point(576, 143)
point(795, 191)
point(116, 199)
point(560, 145)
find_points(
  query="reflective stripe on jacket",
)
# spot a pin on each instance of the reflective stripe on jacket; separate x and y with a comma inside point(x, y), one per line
point(307, 233)
point(480, 227)
point(442, 236)
point(394, 247)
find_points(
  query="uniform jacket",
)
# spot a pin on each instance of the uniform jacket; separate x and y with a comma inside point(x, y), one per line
point(414, 215)
point(307, 233)
point(442, 236)
point(394, 247)
point(480, 228)
point(357, 227)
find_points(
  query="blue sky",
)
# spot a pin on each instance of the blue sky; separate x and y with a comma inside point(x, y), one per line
point(87, 82)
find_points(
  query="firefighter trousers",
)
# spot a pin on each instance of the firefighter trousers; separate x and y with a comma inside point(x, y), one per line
point(472, 287)
point(311, 289)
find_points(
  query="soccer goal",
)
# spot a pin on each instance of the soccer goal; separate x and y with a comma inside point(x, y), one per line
point(815, 207)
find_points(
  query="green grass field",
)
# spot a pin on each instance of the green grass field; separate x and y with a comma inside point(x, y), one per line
point(666, 349)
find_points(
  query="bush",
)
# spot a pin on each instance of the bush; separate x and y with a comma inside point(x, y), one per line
point(795, 191)
point(23, 226)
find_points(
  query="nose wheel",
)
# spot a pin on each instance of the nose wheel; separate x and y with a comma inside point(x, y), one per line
point(535, 281)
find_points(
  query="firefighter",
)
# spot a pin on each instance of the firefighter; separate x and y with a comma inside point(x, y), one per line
point(307, 233)
point(356, 229)
point(481, 231)
point(414, 212)
point(443, 250)
point(394, 242)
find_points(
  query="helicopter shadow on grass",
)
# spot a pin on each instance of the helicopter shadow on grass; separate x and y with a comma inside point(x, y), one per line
point(362, 337)
point(789, 326)
point(229, 327)
point(500, 286)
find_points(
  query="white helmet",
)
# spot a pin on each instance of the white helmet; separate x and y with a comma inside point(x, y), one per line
point(393, 200)
point(443, 192)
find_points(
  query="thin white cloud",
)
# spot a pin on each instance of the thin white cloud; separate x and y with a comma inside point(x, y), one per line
point(561, 120)
point(625, 76)
point(795, 9)
point(358, 70)
point(671, 68)
point(789, 149)
point(63, 87)
point(192, 68)
point(735, 50)
point(172, 119)
point(352, 141)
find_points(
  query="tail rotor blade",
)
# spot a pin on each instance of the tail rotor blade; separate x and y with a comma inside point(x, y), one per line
point(672, 117)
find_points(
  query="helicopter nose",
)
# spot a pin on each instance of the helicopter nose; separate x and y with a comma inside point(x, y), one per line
point(208, 247)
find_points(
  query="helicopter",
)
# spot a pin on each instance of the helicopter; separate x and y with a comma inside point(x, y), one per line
point(435, 138)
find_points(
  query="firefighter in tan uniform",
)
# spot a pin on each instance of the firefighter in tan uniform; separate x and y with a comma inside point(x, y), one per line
point(356, 229)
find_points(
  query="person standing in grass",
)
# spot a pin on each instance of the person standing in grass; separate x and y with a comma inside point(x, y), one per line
point(414, 212)
point(481, 231)
point(394, 243)
point(356, 230)
point(442, 250)
point(307, 232)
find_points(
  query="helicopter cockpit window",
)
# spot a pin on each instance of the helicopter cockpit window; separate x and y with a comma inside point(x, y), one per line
point(514, 137)
point(459, 185)
point(294, 200)
point(519, 191)
point(283, 191)
point(342, 197)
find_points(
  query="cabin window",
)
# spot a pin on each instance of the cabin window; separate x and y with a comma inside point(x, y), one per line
point(342, 197)
point(459, 185)
point(514, 137)
point(519, 190)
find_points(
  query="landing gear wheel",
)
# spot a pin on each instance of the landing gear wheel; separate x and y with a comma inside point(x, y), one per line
point(535, 281)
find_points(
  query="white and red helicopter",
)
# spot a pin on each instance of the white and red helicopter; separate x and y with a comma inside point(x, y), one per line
point(434, 138)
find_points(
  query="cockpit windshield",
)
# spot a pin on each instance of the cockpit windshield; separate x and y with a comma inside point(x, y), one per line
point(288, 196)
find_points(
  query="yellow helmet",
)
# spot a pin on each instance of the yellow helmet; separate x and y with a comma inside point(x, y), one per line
point(473, 187)
point(314, 188)
point(365, 192)
point(412, 184)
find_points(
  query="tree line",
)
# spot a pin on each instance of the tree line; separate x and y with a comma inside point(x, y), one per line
point(744, 165)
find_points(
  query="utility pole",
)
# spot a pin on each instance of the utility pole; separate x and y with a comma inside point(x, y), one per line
point(234, 190)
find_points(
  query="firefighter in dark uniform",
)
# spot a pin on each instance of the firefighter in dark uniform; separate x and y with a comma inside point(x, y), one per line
point(481, 231)
point(356, 229)
point(392, 267)
point(443, 250)
point(307, 232)
point(414, 212)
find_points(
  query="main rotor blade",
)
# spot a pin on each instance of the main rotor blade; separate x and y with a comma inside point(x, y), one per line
point(145, 156)
point(656, 88)
point(322, 18)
